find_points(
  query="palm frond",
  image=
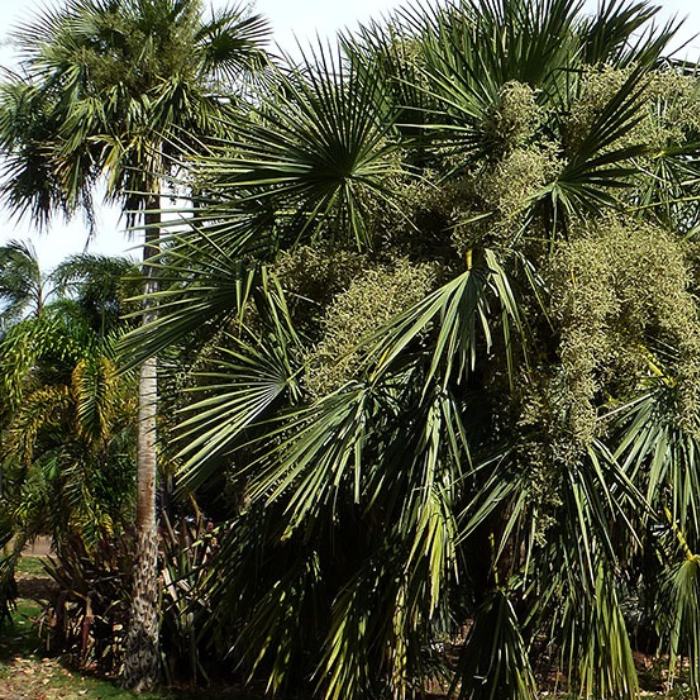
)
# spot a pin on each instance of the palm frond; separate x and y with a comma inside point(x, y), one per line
point(93, 391)
point(600, 165)
point(318, 143)
point(494, 661)
point(200, 284)
point(595, 640)
point(462, 313)
point(606, 34)
point(21, 283)
point(246, 385)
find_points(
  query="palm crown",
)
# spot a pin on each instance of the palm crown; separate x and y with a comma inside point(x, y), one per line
point(104, 85)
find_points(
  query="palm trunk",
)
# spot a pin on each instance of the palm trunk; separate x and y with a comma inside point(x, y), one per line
point(142, 659)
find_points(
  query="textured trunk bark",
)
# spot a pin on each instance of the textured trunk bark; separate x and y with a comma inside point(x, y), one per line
point(142, 654)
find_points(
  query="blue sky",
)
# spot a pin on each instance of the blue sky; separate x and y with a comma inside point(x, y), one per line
point(302, 19)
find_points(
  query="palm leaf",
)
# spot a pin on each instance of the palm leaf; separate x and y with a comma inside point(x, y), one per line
point(246, 386)
point(462, 310)
point(315, 150)
point(94, 393)
point(494, 662)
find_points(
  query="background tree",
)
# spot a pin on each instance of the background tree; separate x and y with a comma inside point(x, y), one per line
point(22, 289)
point(68, 425)
point(104, 87)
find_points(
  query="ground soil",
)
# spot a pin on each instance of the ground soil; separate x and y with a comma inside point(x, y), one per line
point(38, 679)
point(39, 547)
point(23, 675)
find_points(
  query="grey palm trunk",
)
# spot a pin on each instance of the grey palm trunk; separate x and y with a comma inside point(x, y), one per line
point(142, 655)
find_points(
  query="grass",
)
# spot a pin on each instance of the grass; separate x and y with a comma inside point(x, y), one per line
point(31, 565)
point(20, 638)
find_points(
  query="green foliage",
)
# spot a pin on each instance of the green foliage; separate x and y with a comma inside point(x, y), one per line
point(100, 285)
point(21, 285)
point(187, 548)
point(625, 309)
point(66, 436)
point(494, 659)
point(102, 88)
point(451, 272)
point(368, 303)
point(87, 616)
point(435, 308)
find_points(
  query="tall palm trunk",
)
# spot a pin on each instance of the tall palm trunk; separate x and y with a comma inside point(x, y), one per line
point(142, 662)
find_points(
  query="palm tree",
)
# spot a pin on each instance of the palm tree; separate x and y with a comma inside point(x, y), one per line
point(101, 286)
point(105, 88)
point(460, 376)
point(22, 288)
point(71, 415)
point(68, 419)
